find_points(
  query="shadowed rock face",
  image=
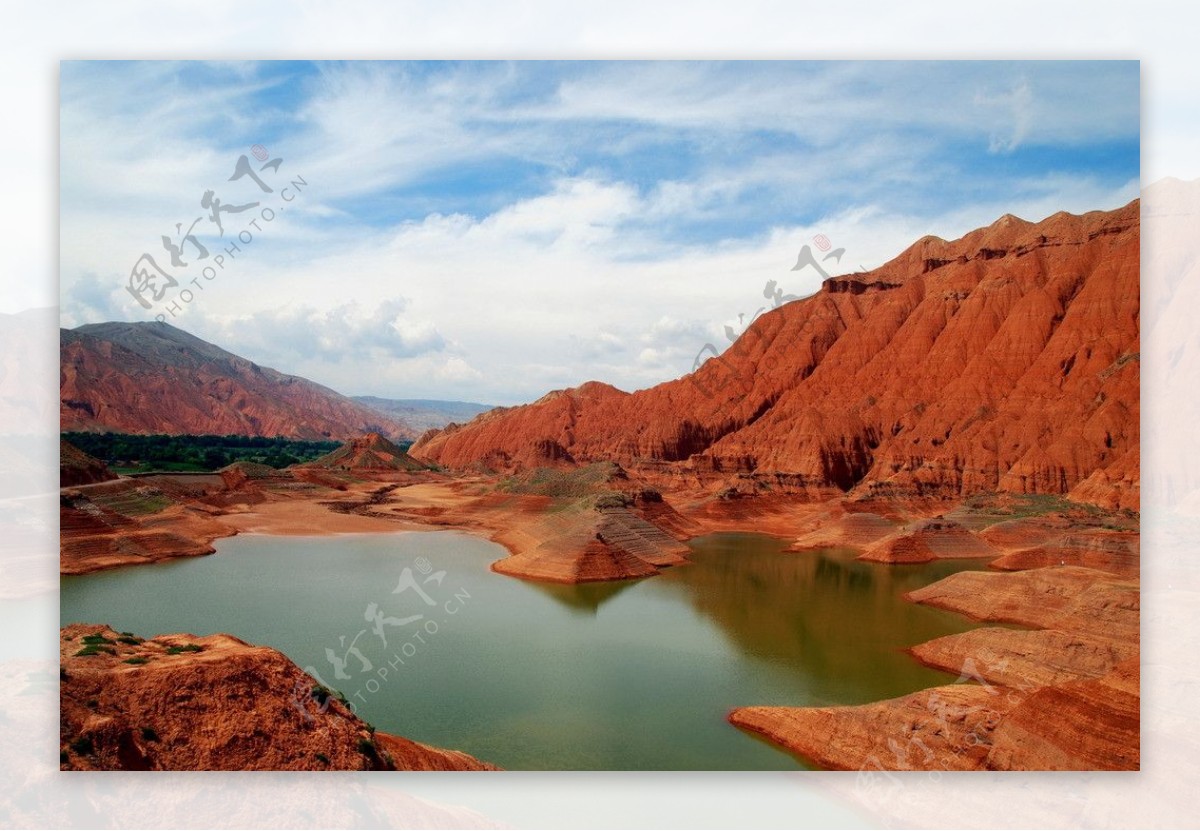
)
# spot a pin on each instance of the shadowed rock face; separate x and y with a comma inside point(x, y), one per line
point(78, 468)
point(180, 702)
point(1006, 360)
point(154, 378)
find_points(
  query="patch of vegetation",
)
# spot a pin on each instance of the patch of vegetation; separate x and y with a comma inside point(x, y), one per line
point(321, 757)
point(573, 482)
point(987, 509)
point(129, 640)
point(95, 649)
point(187, 647)
point(137, 660)
point(83, 746)
point(366, 746)
point(1118, 363)
point(1043, 504)
point(613, 499)
point(97, 638)
point(125, 453)
point(141, 502)
point(149, 734)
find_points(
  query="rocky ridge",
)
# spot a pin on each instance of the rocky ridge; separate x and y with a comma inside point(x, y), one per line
point(1006, 360)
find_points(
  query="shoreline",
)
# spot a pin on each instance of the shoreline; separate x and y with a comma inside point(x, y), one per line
point(1065, 644)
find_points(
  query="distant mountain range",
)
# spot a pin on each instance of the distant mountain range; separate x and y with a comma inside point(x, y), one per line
point(422, 413)
point(154, 378)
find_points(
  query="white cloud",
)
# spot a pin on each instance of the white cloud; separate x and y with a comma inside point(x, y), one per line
point(333, 335)
point(579, 273)
point(1012, 114)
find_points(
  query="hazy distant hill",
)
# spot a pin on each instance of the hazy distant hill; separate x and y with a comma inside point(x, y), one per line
point(424, 414)
point(153, 378)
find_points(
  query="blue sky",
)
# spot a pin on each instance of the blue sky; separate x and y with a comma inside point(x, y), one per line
point(490, 231)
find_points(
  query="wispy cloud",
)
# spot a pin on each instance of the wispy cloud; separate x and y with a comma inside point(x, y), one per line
point(465, 221)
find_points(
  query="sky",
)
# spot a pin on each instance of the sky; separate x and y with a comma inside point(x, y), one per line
point(490, 231)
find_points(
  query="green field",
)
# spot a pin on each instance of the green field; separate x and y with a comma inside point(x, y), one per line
point(125, 453)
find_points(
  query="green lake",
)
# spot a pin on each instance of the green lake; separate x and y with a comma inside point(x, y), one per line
point(610, 676)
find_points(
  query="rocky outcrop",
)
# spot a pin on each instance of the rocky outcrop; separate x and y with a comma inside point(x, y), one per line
point(1080, 725)
point(855, 529)
point(129, 522)
point(371, 453)
point(241, 473)
point(1064, 696)
point(944, 728)
point(1113, 551)
point(154, 378)
point(181, 702)
point(1006, 360)
point(584, 543)
point(1067, 598)
point(78, 468)
point(928, 540)
point(1026, 658)
point(1084, 725)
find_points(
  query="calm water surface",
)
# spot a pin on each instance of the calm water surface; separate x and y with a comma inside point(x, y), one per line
point(623, 675)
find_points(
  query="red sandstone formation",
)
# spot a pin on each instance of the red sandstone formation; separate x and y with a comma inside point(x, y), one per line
point(1080, 725)
point(154, 378)
point(78, 468)
point(181, 702)
point(1083, 725)
point(371, 453)
point(131, 521)
point(1116, 551)
point(1067, 598)
point(1062, 696)
point(927, 540)
point(836, 529)
point(241, 473)
point(584, 544)
point(1021, 658)
point(943, 728)
point(1006, 360)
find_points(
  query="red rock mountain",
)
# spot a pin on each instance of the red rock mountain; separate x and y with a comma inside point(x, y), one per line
point(1005, 360)
point(154, 378)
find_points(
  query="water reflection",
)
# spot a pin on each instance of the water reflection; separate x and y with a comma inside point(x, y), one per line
point(619, 676)
point(584, 598)
point(840, 623)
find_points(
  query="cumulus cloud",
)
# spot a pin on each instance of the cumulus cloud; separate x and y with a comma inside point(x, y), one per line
point(92, 299)
point(345, 332)
point(489, 231)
